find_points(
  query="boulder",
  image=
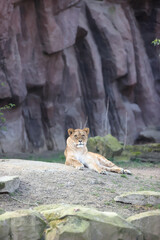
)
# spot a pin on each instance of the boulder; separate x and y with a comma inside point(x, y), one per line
point(76, 222)
point(140, 198)
point(9, 184)
point(23, 224)
point(107, 146)
point(149, 223)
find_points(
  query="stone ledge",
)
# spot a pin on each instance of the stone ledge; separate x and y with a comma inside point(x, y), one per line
point(140, 198)
point(8, 184)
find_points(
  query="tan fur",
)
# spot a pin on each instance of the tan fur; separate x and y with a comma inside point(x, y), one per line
point(77, 154)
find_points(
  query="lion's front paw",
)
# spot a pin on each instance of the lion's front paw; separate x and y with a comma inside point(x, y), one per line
point(80, 167)
point(127, 172)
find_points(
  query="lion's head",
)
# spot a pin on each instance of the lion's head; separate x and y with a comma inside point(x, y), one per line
point(78, 137)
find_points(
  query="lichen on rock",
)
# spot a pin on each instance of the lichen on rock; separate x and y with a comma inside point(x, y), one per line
point(140, 198)
point(149, 223)
point(108, 146)
point(77, 222)
point(22, 224)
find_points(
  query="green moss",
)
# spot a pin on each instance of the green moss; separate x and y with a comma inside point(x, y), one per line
point(143, 215)
point(112, 142)
point(56, 222)
point(122, 159)
point(145, 193)
point(146, 152)
point(17, 214)
point(137, 153)
point(157, 206)
point(1, 211)
point(2, 185)
point(154, 147)
point(107, 146)
point(124, 176)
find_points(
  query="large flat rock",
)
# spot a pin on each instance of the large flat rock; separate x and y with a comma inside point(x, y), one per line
point(140, 198)
point(149, 223)
point(9, 184)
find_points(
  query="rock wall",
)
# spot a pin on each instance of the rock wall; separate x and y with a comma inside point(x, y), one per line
point(68, 62)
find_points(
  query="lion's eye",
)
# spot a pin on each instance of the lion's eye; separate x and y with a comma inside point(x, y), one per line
point(75, 136)
point(83, 135)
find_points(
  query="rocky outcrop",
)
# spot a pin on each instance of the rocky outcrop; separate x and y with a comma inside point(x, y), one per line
point(149, 223)
point(9, 184)
point(61, 222)
point(140, 198)
point(67, 62)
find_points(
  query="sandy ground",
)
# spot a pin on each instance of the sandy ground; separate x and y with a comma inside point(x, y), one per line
point(49, 183)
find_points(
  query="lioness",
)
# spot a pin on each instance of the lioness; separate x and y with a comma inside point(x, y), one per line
point(77, 154)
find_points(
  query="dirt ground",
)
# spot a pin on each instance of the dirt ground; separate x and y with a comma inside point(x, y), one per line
point(49, 183)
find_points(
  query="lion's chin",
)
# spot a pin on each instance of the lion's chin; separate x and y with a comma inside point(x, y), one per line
point(80, 145)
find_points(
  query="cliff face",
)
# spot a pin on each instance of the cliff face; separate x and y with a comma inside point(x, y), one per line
point(67, 62)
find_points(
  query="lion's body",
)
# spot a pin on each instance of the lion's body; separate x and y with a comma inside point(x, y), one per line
point(77, 154)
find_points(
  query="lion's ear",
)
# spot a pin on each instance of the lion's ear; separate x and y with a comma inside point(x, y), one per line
point(70, 131)
point(86, 130)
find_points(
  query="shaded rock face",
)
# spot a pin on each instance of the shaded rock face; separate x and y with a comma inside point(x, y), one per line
point(25, 224)
point(147, 14)
point(149, 223)
point(68, 62)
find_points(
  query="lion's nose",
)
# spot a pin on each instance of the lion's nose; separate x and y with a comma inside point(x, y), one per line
point(80, 141)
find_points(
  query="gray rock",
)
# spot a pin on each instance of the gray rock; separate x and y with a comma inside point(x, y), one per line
point(9, 184)
point(77, 223)
point(151, 134)
point(140, 198)
point(23, 224)
point(149, 223)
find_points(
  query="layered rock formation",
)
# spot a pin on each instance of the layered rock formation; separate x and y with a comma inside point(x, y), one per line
point(70, 61)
